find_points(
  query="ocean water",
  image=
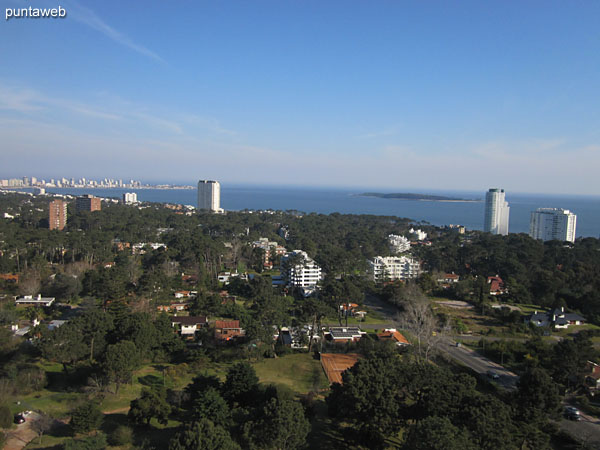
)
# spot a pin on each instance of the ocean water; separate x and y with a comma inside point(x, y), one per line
point(329, 200)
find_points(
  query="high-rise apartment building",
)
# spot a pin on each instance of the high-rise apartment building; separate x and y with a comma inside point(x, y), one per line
point(209, 195)
point(88, 203)
point(553, 224)
point(496, 212)
point(57, 215)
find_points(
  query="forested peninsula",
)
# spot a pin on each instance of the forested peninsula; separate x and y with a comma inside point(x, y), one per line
point(413, 196)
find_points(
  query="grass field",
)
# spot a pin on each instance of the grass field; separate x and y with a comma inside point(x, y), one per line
point(300, 372)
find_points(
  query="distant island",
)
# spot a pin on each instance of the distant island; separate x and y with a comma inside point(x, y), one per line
point(422, 197)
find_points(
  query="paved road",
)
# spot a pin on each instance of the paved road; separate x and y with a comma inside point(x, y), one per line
point(21, 436)
point(480, 364)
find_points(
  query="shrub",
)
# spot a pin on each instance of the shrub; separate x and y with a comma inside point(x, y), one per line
point(86, 417)
point(121, 435)
point(6, 417)
point(97, 442)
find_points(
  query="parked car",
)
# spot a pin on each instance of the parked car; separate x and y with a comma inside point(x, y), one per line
point(572, 413)
point(493, 375)
point(19, 418)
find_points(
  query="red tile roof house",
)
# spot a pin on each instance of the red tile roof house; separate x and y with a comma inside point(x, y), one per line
point(391, 334)
point(225, 330)
point(449, 278)
point(188, 325)
point(496, 285)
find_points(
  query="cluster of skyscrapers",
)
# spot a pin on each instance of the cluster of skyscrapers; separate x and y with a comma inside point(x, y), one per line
point(546, 223)
point(68, 182)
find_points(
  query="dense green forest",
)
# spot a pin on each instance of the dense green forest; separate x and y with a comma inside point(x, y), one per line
point(117, 349)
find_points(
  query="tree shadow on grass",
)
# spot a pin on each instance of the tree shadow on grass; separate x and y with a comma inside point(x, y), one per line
point(158, 438)
point(60, 429)
point(151, 380)
point(112, 421)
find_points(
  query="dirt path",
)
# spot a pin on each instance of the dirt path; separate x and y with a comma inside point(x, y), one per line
point(117, 411)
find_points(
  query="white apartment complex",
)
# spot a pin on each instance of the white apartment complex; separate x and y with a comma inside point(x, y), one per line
point(496, 212)
point(553, 224)
point(398, 244)
point(209, 195)
point(129, 198)
point(299, 270)
point(394, 268)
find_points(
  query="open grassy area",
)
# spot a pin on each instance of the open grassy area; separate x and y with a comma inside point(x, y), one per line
point(300, 372)
point(372, 318)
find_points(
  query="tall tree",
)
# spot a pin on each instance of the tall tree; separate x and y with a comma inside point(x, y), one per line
point(203, 435)
point(121, 360)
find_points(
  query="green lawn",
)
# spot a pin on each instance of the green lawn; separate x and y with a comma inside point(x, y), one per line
point(300, 372)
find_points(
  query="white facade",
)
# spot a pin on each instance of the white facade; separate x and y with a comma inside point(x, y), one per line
point(496, 212)
point(303, 272)
point(553, 223)
point(398, 244)
point(209, 195)
point(394, 268)
point(419, 234)
point(129, 197)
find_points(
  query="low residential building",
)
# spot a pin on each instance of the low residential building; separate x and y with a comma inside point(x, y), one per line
point(30, 300)
point(270, 248)
point(394, 268)
point(393, 335)
point(556, 319)
point(344, 334)
point(296, 338)
point(140, 248)
point(592, 376)
point(225, 277)
point(173, 307)
point(188, 325)
point(299, 270)
point(10, 277)
point(496, 285)
point(225, 330)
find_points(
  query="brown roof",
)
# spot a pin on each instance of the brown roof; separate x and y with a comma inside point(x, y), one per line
point(189, 320)
point(395, 336)
point(227, 324)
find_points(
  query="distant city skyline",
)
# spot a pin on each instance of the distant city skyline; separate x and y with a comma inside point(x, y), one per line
point(396, 95)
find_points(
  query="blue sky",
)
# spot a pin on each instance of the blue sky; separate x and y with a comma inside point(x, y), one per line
point(393, 94)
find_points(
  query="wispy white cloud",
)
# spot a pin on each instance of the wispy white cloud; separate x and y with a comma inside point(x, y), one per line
point(15, 98)
point(381, 133)
point(90, 18)
point(159, 122)
point(24, 100)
